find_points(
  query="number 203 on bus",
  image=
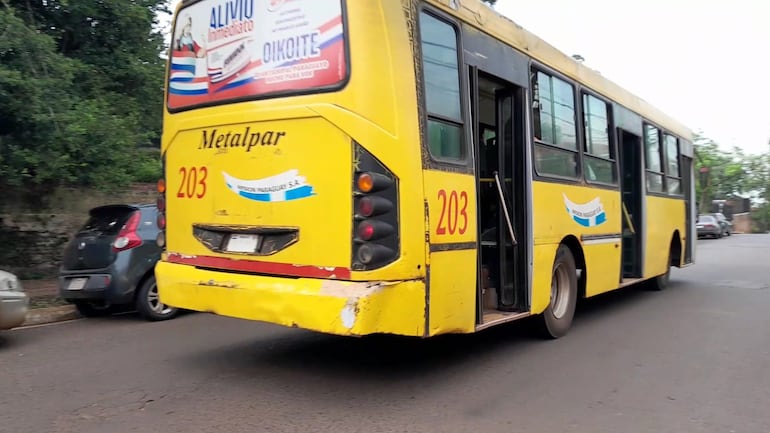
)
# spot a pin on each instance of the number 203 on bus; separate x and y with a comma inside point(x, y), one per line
point(453, 217)
point(193, 183)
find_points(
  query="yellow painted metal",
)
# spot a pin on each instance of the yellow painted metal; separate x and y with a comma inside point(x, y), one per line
point(542, 266)
point(452, 307)
point(451, 200)
point(310, 145)
point(338, 307)
point(665, 220)
point(553, 223)
point(314, 135)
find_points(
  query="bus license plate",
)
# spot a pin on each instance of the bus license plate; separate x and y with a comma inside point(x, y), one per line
point(77, 284)
point(241, 243)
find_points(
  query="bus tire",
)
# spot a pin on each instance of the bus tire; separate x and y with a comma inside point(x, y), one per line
point(556, 320)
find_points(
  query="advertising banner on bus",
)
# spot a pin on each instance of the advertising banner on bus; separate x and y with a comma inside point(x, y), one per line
point(225, 50)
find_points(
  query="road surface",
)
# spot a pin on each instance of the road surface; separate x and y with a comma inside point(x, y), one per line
point(694, 358)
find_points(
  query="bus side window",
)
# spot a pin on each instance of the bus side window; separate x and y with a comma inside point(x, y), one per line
point(441, 74)
point(556, 150)
point(599, 158)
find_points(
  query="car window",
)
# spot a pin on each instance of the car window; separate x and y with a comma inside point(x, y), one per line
point(107, 221)
point(149, 217)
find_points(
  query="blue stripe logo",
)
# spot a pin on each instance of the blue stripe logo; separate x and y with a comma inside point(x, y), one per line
point(286, 186)
point(588, 214)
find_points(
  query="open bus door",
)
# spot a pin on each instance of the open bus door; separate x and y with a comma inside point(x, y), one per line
point(502, 197)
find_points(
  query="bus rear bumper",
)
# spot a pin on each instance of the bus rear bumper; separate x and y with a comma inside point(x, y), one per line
point(324, 305)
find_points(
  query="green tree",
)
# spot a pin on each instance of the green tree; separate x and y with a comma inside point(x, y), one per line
point(758, 181)
point(720, 174)
point(727, 174)
point(80, 90)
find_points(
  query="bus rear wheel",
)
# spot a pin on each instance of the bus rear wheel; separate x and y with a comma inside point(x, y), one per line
point(557, 318)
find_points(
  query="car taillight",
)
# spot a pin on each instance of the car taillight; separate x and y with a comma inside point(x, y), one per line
point(375, 214)
point(128, 237)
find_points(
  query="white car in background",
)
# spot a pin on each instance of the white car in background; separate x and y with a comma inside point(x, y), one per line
point(14, 303)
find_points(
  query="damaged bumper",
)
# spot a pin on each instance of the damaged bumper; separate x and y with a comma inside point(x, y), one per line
point(324, 305)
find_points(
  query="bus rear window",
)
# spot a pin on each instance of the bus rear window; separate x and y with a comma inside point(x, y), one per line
point(235, 50)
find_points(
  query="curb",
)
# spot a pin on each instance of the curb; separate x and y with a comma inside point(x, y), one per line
point(40, 316)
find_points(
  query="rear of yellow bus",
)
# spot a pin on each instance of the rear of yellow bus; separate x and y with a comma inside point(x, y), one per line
point(292, 178)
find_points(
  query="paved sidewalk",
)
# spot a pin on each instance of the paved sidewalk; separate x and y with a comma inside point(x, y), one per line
point(45, 304)
point(41, 288)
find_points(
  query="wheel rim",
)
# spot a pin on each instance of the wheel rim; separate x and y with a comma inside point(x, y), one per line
point(153, 299)
point(559, 291)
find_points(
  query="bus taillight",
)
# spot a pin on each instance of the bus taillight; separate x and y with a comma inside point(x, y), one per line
point(369, 230)
point(375, 213)
point(369, 206)
point(161, 205)
point(373, 253)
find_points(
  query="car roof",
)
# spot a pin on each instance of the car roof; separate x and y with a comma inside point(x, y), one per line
point(124, 206)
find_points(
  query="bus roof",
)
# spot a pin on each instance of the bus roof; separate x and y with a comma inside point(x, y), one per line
point(484, 18)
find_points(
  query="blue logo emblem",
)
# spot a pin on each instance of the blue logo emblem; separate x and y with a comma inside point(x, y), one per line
point(285, 186)
point(587, 214)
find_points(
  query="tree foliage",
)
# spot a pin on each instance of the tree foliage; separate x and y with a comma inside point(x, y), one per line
point(80, 90)
point(727, 174)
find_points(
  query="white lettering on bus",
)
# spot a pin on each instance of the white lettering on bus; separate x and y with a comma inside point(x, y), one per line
point(235, 10)
point(298, 47)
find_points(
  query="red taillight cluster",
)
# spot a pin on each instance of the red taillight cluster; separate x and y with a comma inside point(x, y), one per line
point(375, 216)
point(128, 237)
point(161, 221)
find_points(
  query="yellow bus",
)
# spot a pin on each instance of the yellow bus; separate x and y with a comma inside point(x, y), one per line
point(405, 167)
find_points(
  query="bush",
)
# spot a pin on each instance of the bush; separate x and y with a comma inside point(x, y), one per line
point(147, 166)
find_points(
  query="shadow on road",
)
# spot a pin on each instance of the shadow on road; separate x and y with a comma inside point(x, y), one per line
point(291, 355)
point(634, 296)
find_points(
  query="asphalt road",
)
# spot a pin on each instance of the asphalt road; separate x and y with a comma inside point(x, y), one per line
point(694, 358)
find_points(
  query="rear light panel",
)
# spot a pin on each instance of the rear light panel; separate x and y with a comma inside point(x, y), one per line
point(375, 213)
point(128, 237)
point(161, 221)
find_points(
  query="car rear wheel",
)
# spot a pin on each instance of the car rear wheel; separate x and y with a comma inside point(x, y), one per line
point(148, 302)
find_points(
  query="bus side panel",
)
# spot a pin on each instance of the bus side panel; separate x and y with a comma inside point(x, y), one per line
point(603, 267)
point(452, 292)
point(664, 217)
point(542, 268)
point(593, 216)
point(452, 223)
